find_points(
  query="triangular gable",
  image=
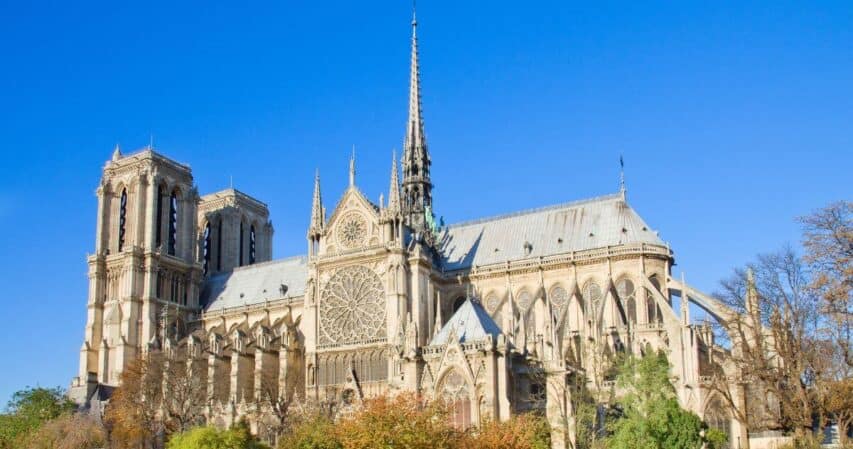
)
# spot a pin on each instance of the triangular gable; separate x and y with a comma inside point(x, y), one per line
point(469, 323)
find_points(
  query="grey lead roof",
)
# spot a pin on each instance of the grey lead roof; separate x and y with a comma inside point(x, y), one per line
point(582, 225)
point(469, 323)
point(255, 284)
point(577, 226)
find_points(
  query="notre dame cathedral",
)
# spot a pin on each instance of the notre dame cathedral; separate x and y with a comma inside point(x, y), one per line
point(493, 314)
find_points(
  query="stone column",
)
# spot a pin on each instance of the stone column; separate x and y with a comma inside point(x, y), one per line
point(99, 233)
point(151, 212)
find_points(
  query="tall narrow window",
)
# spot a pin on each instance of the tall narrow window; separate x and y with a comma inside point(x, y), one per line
point(219, 246)
point(122, 219)
point(251, 244)
point(206, 248)
point(241, 243)
point(173, 223)
point(158, 230)
point(625, 288)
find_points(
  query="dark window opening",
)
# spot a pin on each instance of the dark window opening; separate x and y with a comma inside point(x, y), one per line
point(159, 220)
point(206, 248)
point(458, 303)
point(122, 219)
point(173, 223)
point(251, 244)
point(241, 244)
point(219, 246)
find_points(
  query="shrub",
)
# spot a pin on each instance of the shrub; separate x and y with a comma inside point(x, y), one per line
point(312, 432)
point(519, 432)
point(69, 431)
point(238, 437)
point(404, 422)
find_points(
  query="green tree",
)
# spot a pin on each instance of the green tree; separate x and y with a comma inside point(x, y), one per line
point(651, 416)
point(28, 410)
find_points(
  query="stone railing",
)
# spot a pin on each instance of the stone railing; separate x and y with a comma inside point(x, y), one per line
point(572, 257)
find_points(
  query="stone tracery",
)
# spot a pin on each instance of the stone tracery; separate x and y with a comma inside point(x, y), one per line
point(352, 309)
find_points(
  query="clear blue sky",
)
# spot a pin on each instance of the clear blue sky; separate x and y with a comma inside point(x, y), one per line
point(733, 119)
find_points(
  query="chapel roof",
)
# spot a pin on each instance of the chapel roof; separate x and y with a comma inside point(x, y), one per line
point(469, 323)
point(563, 228)
point(253, 284)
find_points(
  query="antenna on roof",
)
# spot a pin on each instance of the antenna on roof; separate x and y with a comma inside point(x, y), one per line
point(622, 176)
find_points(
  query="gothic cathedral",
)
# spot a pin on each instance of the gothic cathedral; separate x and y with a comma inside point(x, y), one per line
point(495, 315)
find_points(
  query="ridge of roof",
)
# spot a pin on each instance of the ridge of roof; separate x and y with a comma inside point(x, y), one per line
point(300, 258)
point(566, 205)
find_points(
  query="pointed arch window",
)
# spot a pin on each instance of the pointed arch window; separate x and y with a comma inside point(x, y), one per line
point(592, 295)
point(158, 230)
point(652, 308)
point(625, 289)
point(206, 248)
point(241, 244)
point(173, 223)
point(458, 303)
point(251, 244)
point(525, 306)
point(454, 389)
point(122, 219)
point(219, 246)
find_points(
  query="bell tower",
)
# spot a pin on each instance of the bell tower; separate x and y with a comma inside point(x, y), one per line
point(143, 276)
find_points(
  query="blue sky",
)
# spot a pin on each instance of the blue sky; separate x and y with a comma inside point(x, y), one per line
point(732, 118)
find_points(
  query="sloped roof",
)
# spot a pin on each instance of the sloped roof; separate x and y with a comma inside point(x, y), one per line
point(577, 226)
point(254, 284)
point(470, 323)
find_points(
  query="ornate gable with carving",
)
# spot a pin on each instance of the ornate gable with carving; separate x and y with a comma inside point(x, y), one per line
point(353, 225)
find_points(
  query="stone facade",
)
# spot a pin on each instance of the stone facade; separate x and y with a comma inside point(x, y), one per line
point(495, 314)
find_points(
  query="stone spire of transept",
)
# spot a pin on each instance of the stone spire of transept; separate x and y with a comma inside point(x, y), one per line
point(116, 153)
point(394, 205)
point(417, 188)
point(352, 168)
point(317, 218)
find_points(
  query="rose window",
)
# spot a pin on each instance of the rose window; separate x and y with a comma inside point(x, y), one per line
point(352, 230)
point(559, 297)
point(352, 307)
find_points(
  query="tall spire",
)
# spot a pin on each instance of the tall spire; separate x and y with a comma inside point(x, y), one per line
point(317, 218)
point(394, 187)
point(417, 188)
point(352, 168)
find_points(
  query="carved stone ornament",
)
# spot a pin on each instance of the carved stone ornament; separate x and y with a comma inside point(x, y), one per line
point(352, 230)
point(352, 307)
point(492, 303)
point(559, 296)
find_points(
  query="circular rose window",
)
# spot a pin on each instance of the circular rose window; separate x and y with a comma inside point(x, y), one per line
point(352, 307)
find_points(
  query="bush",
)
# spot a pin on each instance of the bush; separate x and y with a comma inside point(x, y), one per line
point(404, 422)
point(69, 431)
point(312, 432)
point(238, 437)
point(519, 432)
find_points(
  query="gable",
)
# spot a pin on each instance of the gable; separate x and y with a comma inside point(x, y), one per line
point(354, 224)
